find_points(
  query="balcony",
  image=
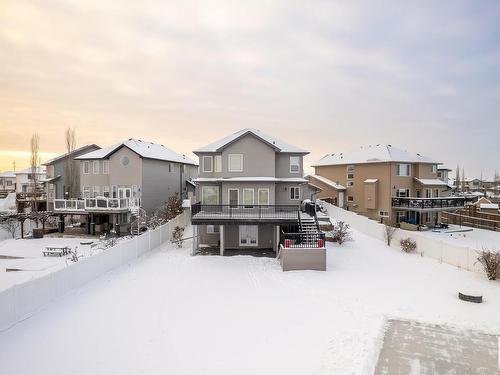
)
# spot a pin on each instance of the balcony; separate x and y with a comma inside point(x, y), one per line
point(96, 205)
point(244, 214)
point(428, 204)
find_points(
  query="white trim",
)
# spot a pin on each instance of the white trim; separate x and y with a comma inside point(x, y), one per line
point(94, 164)
point(290, 195)
point(229, 195)
point(256, 236)
point(211, 228)
point(218, 163)
point(211, 163)
point(297, 165)
point(258, 196)
point(253, 197)
point(229, 163)
point(86, 163)
point(105, 170)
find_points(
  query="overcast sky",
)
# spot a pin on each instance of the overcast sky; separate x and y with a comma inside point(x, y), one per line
point(327, 76)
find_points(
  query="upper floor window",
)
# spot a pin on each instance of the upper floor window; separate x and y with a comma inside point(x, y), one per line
point(95, 167)
point(210, 195)
point(218, 163)
point(403, 193)
point(434, 168)
point(105, 166)
point(403, 169)
point(295, 193)
point(294, 164)
point(170, 167)
point(440, 174)
point(208, 164)
point(86, 167)
point(235, 163)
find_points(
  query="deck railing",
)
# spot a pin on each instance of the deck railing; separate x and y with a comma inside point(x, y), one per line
point(303, 240)
point(218, 211)
point(96, 204)
point(429, 203)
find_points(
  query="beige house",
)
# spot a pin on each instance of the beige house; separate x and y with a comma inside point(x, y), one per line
point(7, 182)
point(384, 182)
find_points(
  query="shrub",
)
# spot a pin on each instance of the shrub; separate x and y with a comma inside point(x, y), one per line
point(177, 236)
point(389, 231)
point(341, 232)
point(408, 245)
point(490, 260)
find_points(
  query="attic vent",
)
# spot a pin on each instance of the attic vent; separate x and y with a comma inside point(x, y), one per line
point(418, 154)
point(389, 145)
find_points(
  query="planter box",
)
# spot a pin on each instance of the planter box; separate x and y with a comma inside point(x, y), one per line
point(38, 233)
point(293, 259)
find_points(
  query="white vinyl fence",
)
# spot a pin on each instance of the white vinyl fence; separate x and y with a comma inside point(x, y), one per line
point(22, 300)
point(460, 256)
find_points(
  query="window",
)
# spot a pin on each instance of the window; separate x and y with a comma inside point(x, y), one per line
point(207, 164)
point(263, 197)
point(134, 191)
point(114, 191)
point(383, 214)
point(235, 163)
point(350, 183)
point(248, 198)
point(350, 168)
point(249, 235)
point(233, 197)
point(350, 198)
point(170, 168)
point(401, 216)
point(436, 193)
point(86, 191)
point(428, 193)
point(105, 166)
point(97, 191)
point(294, 164)
point(9, 183)
point(95, 167)
point(86, 167)
point(105, 191)
point(403, 193)
point(213, 229)
point(210, 195)
point(350, 176)
point(295, 193)
point(403, 170)
point(218, 163)
point(440, 174)
point(434, 168)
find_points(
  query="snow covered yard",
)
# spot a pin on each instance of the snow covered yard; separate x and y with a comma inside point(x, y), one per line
point(466, 236)
point(26, 254)
point(172, 313)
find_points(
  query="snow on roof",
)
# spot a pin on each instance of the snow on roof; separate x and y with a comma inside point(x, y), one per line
point(278, 144)
point(39, 170)
point(327, 181)
point(430, 181)
point(489, 206)
point(53, 160)
point(373, 154)
point(145, 149)
point(8, 174)
point(371, 180)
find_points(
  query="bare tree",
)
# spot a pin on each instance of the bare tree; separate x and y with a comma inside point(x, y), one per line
point(70, 140)
point(35, 165)
point(457, 179)
point(389, 232)
point(490, 260)
point(10, 225)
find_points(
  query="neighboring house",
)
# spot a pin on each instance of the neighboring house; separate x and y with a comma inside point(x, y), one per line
point(30, 188)
point(7, 182)
point(58, 182)
point(115, 181)
point(249, 190)
point(382, 181)
point(330, 191)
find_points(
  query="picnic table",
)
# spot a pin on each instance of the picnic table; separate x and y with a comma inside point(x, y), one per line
point(56, 250)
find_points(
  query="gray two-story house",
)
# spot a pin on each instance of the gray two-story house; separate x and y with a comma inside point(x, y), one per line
point(116, 181)
point(250, 187)
point(63, 175)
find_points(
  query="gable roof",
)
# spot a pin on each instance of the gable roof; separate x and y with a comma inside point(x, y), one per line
point(76, 151)
point(39, 170)
point(148, 150)
point(277, 144)
point(373, 154)
point(326, 181)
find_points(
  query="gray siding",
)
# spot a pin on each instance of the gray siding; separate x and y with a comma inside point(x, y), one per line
point(283, 166)
point(232, 240)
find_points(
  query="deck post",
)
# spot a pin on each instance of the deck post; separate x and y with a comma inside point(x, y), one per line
point(221, 233)
point(195, 239)
point(276, 241)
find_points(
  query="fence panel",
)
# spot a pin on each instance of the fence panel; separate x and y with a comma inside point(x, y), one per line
point(155, 238)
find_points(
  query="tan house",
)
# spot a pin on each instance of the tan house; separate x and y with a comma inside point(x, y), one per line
point(382, 181)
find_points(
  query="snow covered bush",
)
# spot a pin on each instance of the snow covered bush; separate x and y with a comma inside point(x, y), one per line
point(11, 225)
point(177, 236)
point(73, 254)
point(165, 213)
point(408, 245)
point(389, 232)
point(341, 232)
point(490, 260)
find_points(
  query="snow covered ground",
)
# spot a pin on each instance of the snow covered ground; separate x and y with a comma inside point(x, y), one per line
point(470, 237)
point(26, 254)
point(172, 313)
